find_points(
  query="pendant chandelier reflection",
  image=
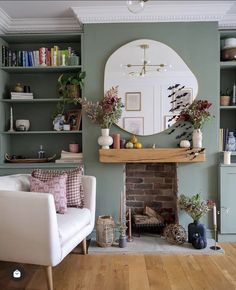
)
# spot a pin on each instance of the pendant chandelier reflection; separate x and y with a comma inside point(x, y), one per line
point(135, 6)
point(145, 67)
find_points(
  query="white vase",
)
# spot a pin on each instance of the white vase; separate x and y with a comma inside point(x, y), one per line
point(105, 140)
point(197, 138)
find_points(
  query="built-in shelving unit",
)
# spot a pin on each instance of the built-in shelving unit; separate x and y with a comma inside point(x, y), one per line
point(39, 110)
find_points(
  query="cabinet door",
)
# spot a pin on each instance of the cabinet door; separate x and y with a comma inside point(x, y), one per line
point(228, 199)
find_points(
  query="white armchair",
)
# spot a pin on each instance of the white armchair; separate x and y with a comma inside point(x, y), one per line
point(32, 232)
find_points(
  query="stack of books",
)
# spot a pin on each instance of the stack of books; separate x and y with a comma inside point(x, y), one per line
point(69, 157)
point(223, 138)
point(20, 96)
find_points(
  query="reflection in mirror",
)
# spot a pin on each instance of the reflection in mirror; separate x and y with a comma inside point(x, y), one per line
point(154, 84)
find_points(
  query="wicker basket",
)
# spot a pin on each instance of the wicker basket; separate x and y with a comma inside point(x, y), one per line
point(105, 230)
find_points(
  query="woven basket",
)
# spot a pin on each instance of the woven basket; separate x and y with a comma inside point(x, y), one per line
point(105, 230)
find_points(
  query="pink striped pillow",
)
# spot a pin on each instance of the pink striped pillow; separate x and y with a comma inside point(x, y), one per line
point(56, 186)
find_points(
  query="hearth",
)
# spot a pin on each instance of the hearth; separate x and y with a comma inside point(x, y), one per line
point(152, 186)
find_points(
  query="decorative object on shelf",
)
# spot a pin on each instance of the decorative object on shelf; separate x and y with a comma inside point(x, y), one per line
point(22, 125)
point(11, 129)
point(105, 113)
point(19, 88)
point(116, 141)
point(234, 95)
point(197, 114)
point(74, 147)
point(227, 157)
point(175, 234)
point(130, 238)
point(184, 144)
point(198, 242)
point(66, 127)
point(196, 208)
point(58, 122)
point(129, 145)
point(105, 226)
point(122, 237)
point(231, 142)
point(105, 140)
point(73, 118)
point(122, 143)
point(225, 97)
point(21, 159)
point(41, 152)
point(69, 86)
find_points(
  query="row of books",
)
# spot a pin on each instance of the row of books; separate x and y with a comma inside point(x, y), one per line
point(223, 139)
point(42, 57)
point(69, 157)
point(21, 96)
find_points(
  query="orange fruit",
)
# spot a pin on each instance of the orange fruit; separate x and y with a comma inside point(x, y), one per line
point(138, 145)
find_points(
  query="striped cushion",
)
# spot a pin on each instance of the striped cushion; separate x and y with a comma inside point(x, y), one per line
point(74, 187)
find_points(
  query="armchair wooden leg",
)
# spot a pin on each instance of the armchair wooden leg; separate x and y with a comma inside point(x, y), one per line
point(84, 243)
point(49, 277)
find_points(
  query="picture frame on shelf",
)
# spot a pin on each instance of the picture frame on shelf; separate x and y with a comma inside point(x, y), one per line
point(133, 101)
point(181, 99)
point(73, 118)
point(169, 120)
point(134, 125)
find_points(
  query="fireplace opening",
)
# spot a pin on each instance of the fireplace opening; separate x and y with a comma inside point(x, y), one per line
point(151, 193)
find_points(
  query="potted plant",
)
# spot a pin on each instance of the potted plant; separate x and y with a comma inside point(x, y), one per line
point(196, 208)
point(225, 97)
point(122, 237)
point(69, 86)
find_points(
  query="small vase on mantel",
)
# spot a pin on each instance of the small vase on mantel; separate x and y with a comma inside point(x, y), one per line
point(105, 140)
point(197, 138)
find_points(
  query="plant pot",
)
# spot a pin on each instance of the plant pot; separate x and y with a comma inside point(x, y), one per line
point(122, 241)
point(225, 100)
point(197, 138)
point(74, 91)
point(105, 140)
point(196, 228)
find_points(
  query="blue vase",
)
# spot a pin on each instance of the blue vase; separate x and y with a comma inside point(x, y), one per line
point(196, 228)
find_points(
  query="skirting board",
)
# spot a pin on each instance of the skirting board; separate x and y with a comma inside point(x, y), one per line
point(226, 238)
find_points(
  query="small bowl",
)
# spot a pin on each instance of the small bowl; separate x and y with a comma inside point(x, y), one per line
point(230, 42)
point(22, 125)
point(228, 53)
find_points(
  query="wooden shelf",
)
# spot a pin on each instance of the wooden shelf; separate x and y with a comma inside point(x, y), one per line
point(160, 155)
point(41, 69)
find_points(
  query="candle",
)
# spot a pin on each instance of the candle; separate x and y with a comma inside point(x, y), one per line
point(121, 207)
point(130, 233)
point(234, 95)
point(214, 216)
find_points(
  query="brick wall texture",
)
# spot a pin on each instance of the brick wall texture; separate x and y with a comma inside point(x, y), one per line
point(151, 184)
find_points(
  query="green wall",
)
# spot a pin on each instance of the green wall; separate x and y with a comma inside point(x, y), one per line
point(198, 45)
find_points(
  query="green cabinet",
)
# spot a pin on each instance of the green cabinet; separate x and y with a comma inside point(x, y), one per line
point(228, 199)
point(43, 83)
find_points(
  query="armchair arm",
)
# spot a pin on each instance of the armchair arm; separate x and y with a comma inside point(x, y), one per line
point(89, 184)
point(28, 228)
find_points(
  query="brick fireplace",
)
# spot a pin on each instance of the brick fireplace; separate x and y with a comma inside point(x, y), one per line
point(153, 185)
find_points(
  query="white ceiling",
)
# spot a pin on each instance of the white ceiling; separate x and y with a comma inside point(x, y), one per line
point(27, 16)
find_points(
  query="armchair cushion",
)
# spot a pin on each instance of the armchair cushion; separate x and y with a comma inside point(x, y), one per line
point(56, 186)
point(71, 223)
point(74, 188)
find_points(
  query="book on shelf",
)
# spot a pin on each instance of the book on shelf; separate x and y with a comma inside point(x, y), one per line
point(223, 139)
point(19, 96)
point(71, 155)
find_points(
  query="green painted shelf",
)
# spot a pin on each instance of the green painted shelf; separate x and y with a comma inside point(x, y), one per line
point(31, 101)
point(228, 107)
point(38, 165)
point(41, 132)
point(43, 69)
point(228, 64)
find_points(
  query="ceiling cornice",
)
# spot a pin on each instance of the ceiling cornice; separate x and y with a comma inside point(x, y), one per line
point(168, 11)
point(10, 25)
point(228, 22)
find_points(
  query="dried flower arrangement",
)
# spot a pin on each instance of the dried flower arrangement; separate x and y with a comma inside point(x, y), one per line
point(106, 112)
point(197, 113)
point(194, 206)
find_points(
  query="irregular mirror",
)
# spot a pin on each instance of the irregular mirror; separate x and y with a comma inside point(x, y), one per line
point(155, 84)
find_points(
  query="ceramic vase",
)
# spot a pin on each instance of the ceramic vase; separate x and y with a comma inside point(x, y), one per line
point(122, 241)
point(105, 140)
point(196, 228)
point(197, 138)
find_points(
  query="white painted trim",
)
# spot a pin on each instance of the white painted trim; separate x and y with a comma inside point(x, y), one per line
point(228, 22)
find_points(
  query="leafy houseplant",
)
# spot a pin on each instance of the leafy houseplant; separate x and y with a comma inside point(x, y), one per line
point(225, 97)
point(194, 206)
point(106, 112)
point(69, 88)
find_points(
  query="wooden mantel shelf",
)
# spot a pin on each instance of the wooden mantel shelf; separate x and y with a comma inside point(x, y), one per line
point(160, 155)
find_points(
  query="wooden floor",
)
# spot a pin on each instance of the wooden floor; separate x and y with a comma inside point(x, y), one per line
point(133, 272)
